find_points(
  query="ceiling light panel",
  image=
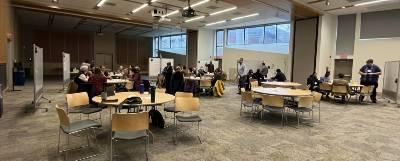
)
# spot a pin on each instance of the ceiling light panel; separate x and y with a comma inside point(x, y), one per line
point(246, 16)
point(222, 11)
point(101, 3)
point(214, 23)
point(139, 8)
point(194, 19)
point(371, 2)
point(192, 5)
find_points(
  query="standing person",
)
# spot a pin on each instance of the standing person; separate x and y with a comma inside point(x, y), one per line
point(177, 81)
point(210, 67)
point(264, 70)
point(370, 76)
point(98, 80)
point(167, 72)
point(280, 77)
point(136, 78)
point(241, 74)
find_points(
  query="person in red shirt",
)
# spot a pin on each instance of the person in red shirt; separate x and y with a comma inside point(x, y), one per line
point(98, 80)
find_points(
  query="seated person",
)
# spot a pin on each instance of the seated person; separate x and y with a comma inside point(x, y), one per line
point(201, 71)
point(98, 80)
point(82, 79)
point(326, 77)
point(279, 77)
point(259, 76)
point(341, 82)
point(217, 76)
point(313, 82)
point(136, 78)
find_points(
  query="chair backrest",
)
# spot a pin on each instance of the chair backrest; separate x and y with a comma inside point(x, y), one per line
point(317, 96)
point(77, 99)
point(161, 90)
point(365, 90)
point(187, 104)
point(325, 86)
point(205, 83)
point(183, 94)
point(274, 101)
point(63, 117)
point(247, 96)
point(339, 89)
point(254, 83)
point(129, 122)
point(306, 102)
point(72, 87)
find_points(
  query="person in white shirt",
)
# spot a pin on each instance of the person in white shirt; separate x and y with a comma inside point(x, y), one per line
point(242, 74)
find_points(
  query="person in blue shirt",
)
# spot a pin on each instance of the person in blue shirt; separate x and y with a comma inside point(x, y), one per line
point(370, 76)
point(326, 77)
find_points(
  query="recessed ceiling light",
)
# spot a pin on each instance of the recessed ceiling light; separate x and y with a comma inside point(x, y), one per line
point(327, 3)
point(196, 18)
point(371, 2)
point(54, 1)
point(139, 8)
point(251, 15)
point(222, 11)
point(343, 7)
point(101, 3)
point(214, 23)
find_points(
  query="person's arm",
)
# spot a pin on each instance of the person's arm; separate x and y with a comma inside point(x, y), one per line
point(378, 71)
point(361, 72)
point(83, 78)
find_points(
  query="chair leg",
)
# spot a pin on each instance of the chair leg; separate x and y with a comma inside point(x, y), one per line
point(298, 120)
point(59, 139)
point(282, 118)
point(198, 132)
point(66, 152)
point(241, 106)
point(145, 148)
point(319, 112)
point(111, 149)
point(176, 131)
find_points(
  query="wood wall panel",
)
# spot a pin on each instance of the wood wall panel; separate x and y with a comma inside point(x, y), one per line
point(71, 46)
point(134, 51)
point(4, 29)
point(57, 46)
point(85, 47)
point(42, 39)
point(121, 51)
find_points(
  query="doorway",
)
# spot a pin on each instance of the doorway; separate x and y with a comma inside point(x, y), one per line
point(104, 59)
point(344, 66)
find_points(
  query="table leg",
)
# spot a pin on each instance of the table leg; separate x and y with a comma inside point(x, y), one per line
point(111, 155)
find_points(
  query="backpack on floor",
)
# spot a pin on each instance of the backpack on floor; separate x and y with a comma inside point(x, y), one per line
point(157, 119)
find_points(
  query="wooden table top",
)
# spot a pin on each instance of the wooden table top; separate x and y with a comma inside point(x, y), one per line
point(282, 84)
point(351, 84)
point(282, 91)
point(161, 98)
point(117, 81)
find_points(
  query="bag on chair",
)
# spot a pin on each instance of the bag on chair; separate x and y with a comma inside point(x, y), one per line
point(156, 118)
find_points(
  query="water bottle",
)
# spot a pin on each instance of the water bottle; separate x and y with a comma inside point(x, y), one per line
point(153, 94)
point(104, 95)
point(141, 88)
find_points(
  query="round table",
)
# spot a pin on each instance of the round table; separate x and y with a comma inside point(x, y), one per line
point(282, 84)
point(117, 81)
point(161, 98)
point(282, 92)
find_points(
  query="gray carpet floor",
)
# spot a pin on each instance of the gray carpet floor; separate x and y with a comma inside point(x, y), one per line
point(347, 132)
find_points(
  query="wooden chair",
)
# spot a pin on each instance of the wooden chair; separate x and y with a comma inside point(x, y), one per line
point(305, 104)
point(129, 85)
point(317, 100)
point(206, 85)
point(74, 128)
point(130, 126)
point(340, 90)
point(79, 103)
point(365, 91)
point(247, 100)
point(187, 105)
point(273, 104)
point(325, 88)
point(254, 83)
point(172, 108)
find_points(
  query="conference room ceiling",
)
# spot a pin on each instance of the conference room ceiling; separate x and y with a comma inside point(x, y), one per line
point(55, 21)
point(269, 10)
point(335, 6)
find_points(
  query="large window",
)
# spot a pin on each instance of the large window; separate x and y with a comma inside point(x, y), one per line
point(219, 43)
point(235, 36)
point(268, 38)
point(282, 33)
point(172, 43)
point(254, 35)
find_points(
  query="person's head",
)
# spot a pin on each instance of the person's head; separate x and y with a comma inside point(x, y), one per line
point(169, 64)
point(278, 70)
point(84, 69)
point(86, 61)
point(136, 69)
point(250, 71)
point(97, 70)
point(269, 67)
point(263, 64)
point(314, 74)
point(327, 73)
point(370, 62)
point(190, 69)
point(121, 67)
point(106, 73)
point(341, 75)
point(184, 67)
point(210, 62)
point(240, 60)
point(178, 69)
point(258, 71)
point(89, 73)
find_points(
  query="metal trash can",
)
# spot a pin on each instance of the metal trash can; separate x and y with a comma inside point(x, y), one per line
point(1, 101)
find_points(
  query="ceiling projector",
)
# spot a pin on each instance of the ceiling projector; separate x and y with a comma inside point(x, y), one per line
point(188, 12)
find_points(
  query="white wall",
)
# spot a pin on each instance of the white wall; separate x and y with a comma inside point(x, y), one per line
point(205, 44)
point(326, 43)
point(274, 60)
point(381, 50)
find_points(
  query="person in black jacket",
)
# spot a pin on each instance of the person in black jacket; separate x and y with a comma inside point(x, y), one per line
point(167, 72)
point(259, 76)
point(313, 82)
point(177, 81)
point(280, 77)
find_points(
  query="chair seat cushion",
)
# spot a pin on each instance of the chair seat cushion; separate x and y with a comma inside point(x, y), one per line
point(86, 109)
point(170, 109)
point(129, 135)
point(80, 125)
point(190, 118)
point(303, 109)
point(91, 110)
point(274, 109)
